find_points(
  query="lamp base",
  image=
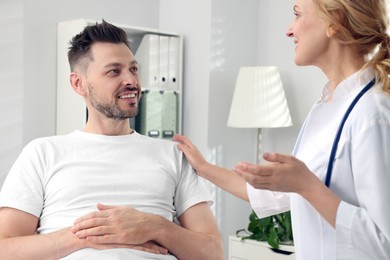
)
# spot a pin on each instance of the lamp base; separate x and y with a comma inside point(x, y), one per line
point(259, 152)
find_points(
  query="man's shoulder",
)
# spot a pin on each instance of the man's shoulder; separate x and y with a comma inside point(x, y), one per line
point(48, 141)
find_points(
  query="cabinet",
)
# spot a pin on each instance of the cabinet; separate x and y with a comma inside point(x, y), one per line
point(159, 59)
point(159, 55)
point(255, 250)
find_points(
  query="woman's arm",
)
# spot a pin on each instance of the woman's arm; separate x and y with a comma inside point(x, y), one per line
point(221, 177)
point(286, 173)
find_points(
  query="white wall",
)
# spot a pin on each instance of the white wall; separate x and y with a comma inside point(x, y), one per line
point(11, 83)
point(192, 19)
point(219, 37)
point(233, 44)
point(302, 85)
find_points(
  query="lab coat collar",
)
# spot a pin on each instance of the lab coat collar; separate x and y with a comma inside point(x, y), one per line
point(347, 87)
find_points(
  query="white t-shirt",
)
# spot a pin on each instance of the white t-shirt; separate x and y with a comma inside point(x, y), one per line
point(361, 177)
point(61, 178)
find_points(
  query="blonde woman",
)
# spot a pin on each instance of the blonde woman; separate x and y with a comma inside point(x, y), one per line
point(337, 179)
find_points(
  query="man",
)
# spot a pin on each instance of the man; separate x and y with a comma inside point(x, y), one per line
point(139, 185)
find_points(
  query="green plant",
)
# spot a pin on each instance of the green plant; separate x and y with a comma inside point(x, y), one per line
point(274, 229)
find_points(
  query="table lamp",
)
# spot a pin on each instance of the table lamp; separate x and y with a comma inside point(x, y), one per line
point(259, 101)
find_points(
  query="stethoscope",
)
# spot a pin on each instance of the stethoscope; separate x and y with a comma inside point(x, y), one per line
point(340, 129)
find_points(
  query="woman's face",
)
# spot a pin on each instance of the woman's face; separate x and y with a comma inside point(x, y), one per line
point(309, 32)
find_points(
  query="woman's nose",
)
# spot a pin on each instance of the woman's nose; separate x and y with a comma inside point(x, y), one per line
point(289, 32)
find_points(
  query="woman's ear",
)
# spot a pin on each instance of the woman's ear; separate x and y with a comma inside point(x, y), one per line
point(76, 81)
point(332, 31)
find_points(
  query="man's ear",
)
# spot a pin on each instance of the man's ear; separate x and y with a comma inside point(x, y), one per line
point(76, 81)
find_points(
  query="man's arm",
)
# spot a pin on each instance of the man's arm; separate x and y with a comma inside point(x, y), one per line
point(196, 238)
point(200, 238)
point(19, 241)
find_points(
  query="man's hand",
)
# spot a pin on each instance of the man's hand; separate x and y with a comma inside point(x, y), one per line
point(117, 227)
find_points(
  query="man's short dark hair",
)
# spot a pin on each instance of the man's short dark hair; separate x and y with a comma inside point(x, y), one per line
point(80, 46)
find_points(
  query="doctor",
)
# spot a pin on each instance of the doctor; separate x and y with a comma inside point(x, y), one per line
point(337, 180)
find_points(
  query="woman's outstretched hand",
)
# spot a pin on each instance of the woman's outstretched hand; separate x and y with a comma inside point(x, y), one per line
point(283, 173)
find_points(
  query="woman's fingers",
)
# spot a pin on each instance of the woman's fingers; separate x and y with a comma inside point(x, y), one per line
point(277, 157)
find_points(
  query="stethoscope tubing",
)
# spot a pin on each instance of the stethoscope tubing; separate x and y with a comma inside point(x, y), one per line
point(340, 129)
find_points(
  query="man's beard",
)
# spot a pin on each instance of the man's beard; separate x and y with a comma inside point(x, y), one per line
point(112, 111)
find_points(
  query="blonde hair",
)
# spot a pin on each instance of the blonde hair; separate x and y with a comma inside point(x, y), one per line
point(364, 24)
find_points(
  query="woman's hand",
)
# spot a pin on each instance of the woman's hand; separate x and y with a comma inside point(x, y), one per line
point(283, 173)
point(223, 178)
point(288, 174)
point(191, 152)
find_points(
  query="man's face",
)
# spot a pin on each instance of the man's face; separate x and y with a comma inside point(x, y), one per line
point(112, 82)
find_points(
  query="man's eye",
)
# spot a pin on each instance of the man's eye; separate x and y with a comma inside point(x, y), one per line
point(134, 69)
point(113, 71)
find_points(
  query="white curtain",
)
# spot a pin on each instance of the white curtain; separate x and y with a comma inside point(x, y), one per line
point(11, 83)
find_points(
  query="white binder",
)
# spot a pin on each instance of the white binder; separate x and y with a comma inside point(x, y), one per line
point(147, 56)
point(163, 62)
point(173, 66)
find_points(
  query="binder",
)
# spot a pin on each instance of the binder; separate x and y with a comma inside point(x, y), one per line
point(149, 118)
point(173, 64)
point(147, 56)
point(169, 120)
point(163, 62)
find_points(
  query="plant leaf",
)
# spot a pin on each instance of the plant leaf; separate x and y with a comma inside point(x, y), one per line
point(273, 239)
point(275, 229)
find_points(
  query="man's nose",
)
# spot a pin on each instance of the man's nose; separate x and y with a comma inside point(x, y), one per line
point(130, 79)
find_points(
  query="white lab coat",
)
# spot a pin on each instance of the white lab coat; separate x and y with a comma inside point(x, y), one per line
point(361, 177)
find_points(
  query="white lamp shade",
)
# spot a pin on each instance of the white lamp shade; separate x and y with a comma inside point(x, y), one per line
point(259, 100)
